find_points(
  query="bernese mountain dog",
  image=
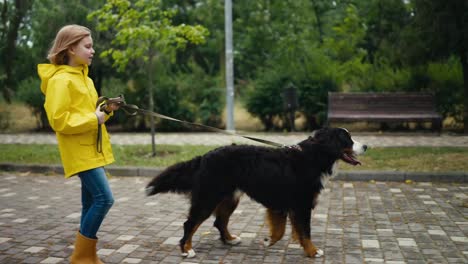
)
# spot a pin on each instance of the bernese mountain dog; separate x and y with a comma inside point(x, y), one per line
point(287, 181)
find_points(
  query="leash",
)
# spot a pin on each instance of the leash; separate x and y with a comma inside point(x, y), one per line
point(133, 110)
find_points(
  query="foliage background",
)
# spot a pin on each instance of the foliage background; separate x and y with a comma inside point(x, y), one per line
point(316, 45)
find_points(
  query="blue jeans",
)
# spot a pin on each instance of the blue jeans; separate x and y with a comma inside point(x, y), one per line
point(96, 199)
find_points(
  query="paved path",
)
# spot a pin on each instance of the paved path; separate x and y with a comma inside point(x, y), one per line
point(358, 222)
point(385, 140)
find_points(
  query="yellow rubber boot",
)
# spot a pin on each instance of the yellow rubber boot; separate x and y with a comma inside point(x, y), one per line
point(85, 251)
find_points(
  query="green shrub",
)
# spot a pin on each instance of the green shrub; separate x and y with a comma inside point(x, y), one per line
point(265, 99)
point(380, 78)
point(313, 99)
point(313, 76)
point(446, 82)
point(29, 92)
point(443, 79)
point(190, 95)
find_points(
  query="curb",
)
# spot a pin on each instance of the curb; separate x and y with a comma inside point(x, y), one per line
point(130, 171)
point(126, 171)
point(399, 176)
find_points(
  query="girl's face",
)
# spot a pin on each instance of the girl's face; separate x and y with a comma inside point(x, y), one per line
point(81, 53)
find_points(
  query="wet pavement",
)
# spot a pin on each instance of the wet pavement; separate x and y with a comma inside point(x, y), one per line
point(354, 222)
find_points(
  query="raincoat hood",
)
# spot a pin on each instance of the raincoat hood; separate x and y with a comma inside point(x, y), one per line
point(47, 71)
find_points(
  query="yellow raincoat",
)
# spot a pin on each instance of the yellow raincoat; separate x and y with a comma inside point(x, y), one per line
point(70, 103)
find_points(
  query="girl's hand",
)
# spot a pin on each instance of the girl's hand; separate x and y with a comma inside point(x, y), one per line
point(112, 107)
point(100, 115)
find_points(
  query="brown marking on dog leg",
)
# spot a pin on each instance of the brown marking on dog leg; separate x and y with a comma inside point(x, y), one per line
point(187, 246)
point(309, 247)
point(223, 212)
point(300, 221)
point(277, 223)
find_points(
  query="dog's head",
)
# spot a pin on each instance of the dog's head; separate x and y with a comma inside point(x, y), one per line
point(339, 139)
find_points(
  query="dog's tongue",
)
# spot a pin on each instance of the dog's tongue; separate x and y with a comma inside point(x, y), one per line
point(350, 159)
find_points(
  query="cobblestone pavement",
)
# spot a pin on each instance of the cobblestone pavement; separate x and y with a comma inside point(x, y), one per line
point(385, 140)
point(358, 222)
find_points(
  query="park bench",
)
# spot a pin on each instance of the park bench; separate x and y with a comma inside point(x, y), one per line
point(383, 108)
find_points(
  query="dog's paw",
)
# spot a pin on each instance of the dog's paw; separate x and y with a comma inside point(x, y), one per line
point(189, 254)
point(236, 240)
point(266, 242)
point(319, 253)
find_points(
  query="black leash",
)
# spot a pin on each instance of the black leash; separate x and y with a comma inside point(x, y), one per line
point(133, 110)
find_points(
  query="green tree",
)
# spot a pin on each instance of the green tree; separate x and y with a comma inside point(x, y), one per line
point(282, 43)
point(385, 21)
point(209, 13)
point(12, 15)
point(45, 26)
point(270, 31)
point(36, 34)
point(143, 31)
point(439, 29)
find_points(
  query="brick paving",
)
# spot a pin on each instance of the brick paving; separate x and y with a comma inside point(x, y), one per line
point(355, 222)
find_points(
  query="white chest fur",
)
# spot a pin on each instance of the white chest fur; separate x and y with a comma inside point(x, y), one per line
point(325, 178)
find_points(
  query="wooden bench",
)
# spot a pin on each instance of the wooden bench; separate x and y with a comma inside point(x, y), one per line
point(383, 108)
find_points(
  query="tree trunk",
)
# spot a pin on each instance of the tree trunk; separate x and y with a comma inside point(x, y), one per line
point(319, 21)
point(151, 103)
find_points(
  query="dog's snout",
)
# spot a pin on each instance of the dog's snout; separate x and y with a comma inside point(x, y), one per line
point(359, 148)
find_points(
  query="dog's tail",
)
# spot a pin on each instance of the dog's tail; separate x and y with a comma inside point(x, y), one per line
point(177, 178)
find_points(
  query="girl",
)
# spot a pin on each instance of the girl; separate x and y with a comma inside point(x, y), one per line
point(70, 103)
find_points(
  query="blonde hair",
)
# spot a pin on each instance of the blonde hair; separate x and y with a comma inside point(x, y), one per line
point(66, 37)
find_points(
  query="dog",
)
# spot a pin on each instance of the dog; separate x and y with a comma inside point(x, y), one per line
point(287, 181)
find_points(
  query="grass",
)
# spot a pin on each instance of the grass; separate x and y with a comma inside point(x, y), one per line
point(412, 159)
point(19, 118)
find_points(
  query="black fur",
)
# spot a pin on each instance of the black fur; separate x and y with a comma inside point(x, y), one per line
point(282, 179)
